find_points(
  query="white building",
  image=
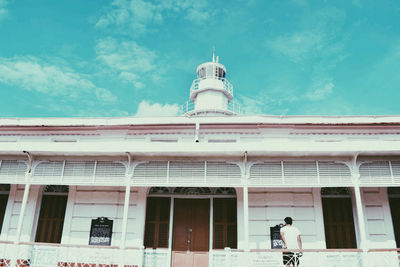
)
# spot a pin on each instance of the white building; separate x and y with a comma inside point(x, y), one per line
point(201, 189)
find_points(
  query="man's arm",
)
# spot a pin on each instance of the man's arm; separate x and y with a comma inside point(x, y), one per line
point(299, 242)
point(283, 240)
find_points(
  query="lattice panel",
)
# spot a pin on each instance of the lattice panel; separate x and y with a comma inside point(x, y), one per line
point(186, 172)
point(151, 172)
point(375, 172)
point(332, 173)
point(300, 173)
point(396, 171)
point(79, 172)
point(48, 172)
point(269, 173)
point(13, 169)
point(109, 172)
point(221, 172)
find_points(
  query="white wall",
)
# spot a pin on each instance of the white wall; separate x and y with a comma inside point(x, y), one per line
point(92, 202)
point(378, 220)
point(268, 207)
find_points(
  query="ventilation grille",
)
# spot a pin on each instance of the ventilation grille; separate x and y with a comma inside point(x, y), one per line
point(79, 172)
point(380, 173)
point(13, 170)
point(181, 173)
point(299, 173)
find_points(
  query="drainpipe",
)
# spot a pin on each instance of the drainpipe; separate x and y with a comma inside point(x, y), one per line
point(359, 205)
point(246, 203)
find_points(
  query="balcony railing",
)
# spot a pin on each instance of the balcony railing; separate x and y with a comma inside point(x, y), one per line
point(233, 107)
point(46, 255)
point(226, 84)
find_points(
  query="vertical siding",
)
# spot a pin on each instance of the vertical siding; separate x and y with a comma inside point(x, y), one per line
point(268, 207)
point(379, 226)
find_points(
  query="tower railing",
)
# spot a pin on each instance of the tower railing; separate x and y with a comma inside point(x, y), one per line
point(234, 107)
point(226, 84)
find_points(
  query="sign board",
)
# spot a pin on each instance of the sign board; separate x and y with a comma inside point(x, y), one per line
point(276, 241)
point(101, 232)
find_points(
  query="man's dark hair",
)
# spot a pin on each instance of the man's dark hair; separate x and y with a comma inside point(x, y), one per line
point(288, 220)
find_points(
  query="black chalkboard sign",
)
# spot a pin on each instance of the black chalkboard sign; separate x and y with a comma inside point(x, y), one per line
point(276, 241)
point(101, 232)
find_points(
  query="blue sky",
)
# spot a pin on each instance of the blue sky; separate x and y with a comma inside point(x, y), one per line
point(137, 57)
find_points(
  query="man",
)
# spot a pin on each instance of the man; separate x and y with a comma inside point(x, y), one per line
point(290, 236)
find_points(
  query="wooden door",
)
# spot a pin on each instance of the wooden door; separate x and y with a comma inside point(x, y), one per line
point(3, 206)
point(51, 218)
point(395, 211)
point(191, 231)
point(339, 223)
point(191, 225)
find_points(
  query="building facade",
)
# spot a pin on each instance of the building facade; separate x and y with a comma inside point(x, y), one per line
point(202, 189)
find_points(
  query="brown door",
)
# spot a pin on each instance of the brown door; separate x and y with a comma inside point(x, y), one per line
point(51, 218)
point(395, 211)
point(3, 205)
point(339, 223)
point(191, 225)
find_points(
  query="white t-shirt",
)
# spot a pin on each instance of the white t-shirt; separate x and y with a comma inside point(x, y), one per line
point(290, 234)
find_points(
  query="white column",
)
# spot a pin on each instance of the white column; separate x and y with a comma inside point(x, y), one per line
point(65, 238)
point(125, 216)
point(360, 217)
point(141, 214)
point(246, 213)
point(23, 207)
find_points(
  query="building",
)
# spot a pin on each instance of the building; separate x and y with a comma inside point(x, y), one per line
point(203, 189)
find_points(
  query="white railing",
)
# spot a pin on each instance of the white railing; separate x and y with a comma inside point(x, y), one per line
point(309, 258)
point(53, 255)
point(226, 84)
point(233, 107)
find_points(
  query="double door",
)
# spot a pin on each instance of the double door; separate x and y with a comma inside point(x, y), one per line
point(191, 232)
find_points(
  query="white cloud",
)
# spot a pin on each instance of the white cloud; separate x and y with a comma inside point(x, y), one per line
point(299, 45)
point(3, 8)
point(157, 109)
point(127, 58)
point(320, 91)
point(137, 15)
point(33, 74)
point(125, 55)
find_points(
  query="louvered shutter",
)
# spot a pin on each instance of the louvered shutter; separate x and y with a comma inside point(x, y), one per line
point(225, 223)
point(157, 222)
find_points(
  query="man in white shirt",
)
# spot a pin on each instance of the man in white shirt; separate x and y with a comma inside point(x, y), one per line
point(290, 236)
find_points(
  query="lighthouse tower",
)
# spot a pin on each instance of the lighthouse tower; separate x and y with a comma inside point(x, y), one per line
point(211, 93)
